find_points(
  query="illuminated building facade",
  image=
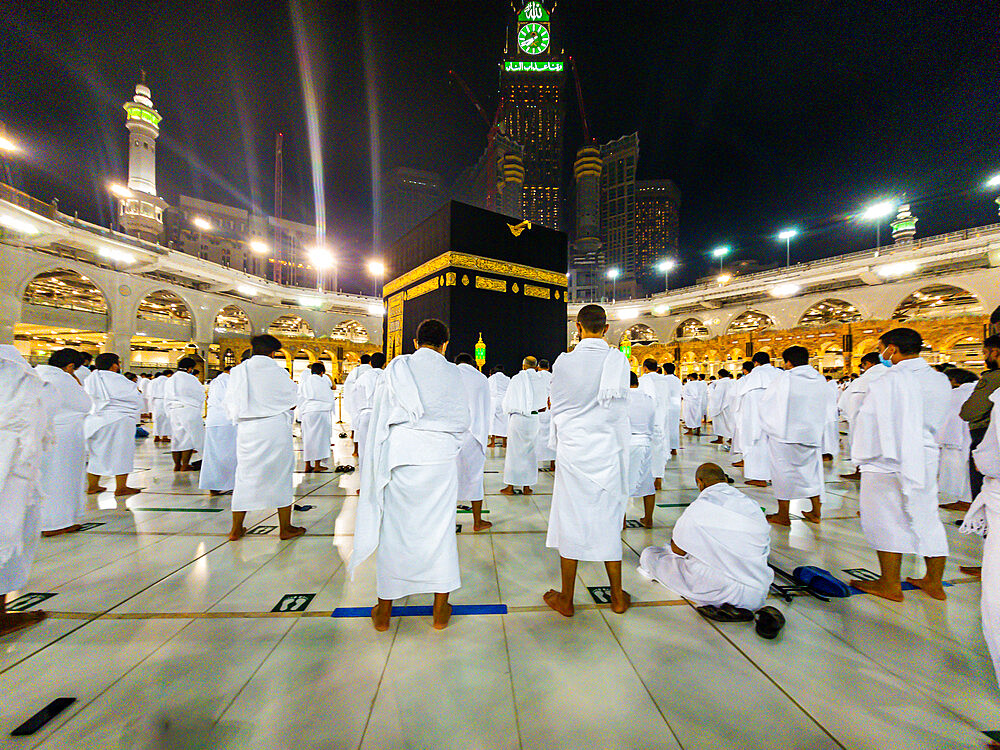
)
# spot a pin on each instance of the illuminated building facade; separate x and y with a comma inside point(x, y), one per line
point(618, 211)
point(140, 210)
point(586, 281)
point(657, 211)
point(531, 88)
point(408, 197)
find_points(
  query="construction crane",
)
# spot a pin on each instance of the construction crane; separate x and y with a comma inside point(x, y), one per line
point(579, 99)
point(492, 130)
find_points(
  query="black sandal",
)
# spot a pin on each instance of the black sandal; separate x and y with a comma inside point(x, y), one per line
point(769, 622)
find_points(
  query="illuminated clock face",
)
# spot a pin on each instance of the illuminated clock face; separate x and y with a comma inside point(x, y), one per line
point(533, 38)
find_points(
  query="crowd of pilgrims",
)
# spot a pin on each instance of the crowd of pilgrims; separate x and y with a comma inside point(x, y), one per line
point(423, 426)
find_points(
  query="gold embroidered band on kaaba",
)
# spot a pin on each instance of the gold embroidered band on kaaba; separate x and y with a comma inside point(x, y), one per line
point(475, 263)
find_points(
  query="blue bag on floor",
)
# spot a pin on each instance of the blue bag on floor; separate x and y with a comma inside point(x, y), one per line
point(140, 432)
point(821, 581)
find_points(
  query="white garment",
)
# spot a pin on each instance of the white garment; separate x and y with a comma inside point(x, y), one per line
point(218, 463)
point(954, 482)
point(543, 454)
point(472, 456)
point(156, 394)
point(693, 404)
point(62, 477)
point(850, 400)
point(644, 432)
point(409, 488)
point(184, 399)
point(752, 438)
point(259, 398)
point(364, 401)
point(498, 389)
point(792, 414)
point(720, 407)
point(316, 403)
point(655, 386)
point(673, 430)
point(895, 443)
point(727, 542)
point(26, 406)
point(520, 466)
point(83, 372)
point(831, 435)
point(590, 433)
point(347, 401)
point(110, 427)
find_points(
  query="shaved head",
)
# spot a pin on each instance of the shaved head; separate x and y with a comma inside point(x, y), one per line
point(709, 474)
point(529, 363)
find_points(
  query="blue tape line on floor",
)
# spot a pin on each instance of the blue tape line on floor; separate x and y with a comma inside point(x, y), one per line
point(424, 610)
point(906, 587)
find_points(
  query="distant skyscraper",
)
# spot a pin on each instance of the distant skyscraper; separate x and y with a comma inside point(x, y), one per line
point(495, 181)
point(586, 282)
point(141, 212)
point(531, 89)
point(657, 210)
point(618, 209)
point(408, 197)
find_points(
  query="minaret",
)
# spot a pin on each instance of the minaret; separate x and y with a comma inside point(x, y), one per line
point(140, 210)
point(904, 226)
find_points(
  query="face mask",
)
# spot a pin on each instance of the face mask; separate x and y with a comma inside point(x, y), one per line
point(883, 360)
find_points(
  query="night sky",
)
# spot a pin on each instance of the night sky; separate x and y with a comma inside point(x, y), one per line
point(764, 114)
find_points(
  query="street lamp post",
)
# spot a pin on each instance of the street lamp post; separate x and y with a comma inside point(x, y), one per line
point(787, 235)
point(377, 270)
point(877, 212)
point(993, 183)
point(666, 266)
point(322, 259)
point(613, 275)
point(721, 252)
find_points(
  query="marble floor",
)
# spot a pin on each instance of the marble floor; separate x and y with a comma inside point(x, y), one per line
point(167, 635)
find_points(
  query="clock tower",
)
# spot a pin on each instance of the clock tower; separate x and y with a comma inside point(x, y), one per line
point(531, 86)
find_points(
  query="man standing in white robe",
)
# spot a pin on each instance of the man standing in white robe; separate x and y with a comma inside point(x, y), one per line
point(364, 401)
point(674, 388)
point(756, 461)
point(719, 405)
point(691, 406)
point(259, 398)
point(850, 400)
point(831, 435)
point(719, 548)
point(157, 398)
point(218, 463)
point(520, 404)
point(184, 398)
point(109, 429)
point(26, 405)
point(498, 389)
point(954, 482)
point(317, 400)
point(642, 413)
point(590, 430)
point(544, 454)
point(655, 386)
point(896, 445)
point(472, 457)
point(407, 509)
point(792, 412)
point(64, 466)
point(347, 400)
point(84, 370)
point(144, 380)
point(983, 515)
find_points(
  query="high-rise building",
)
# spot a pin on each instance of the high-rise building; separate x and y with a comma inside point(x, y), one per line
point(140, 210)
point(531, 91)
point(408, 197)
point(618, 209)
point(657, 210)
point(586, 282)
point(496, 180)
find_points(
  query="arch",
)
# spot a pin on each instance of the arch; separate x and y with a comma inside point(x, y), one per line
point(163, 306)
point(938, 301)
point(828, 311)
point(350, 330)
point(288, 359)
point(642, 334)
point(691, 328)
point(865, 345)
point(65, 289)
point(232, 319)
point(290, 325)
point(749, 320)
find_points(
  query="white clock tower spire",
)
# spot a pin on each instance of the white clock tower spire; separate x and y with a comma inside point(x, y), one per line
point(141, 211)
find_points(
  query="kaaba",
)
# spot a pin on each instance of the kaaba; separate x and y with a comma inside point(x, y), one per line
point(483, 274)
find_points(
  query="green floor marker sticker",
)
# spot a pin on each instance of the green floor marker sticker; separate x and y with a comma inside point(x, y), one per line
point(294, 603)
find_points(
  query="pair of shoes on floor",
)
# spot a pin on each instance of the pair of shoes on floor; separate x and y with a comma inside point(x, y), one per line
point(343, 469)
point(768, 621)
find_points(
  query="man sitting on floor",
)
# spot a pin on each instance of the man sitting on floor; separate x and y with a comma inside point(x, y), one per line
point(718, 553)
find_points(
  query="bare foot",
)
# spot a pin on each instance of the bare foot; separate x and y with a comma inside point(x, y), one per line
point(528, 491)
point(756, 482)
point(738, 464)
point(127, 491)
point(657, 484)
point(877, 588)
point(779, 520)
point(717, 441)
point(308, 470)
point(96, 490)
point(647, 522)
point(673, 451)
point(957, 505)
point(852, 475)
point(291, 532)
point(971, 570)
point(214, 493)
point(441, 616)
point(11, 622)
point(827, 456)
point(559, 603)
point(68, 530)
point(507, 490)
point(621, 605)
point(237, 533)
point(381, 615)
point(321, 468)
point(482, 526)
point(811, 517)
point(933, 589)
